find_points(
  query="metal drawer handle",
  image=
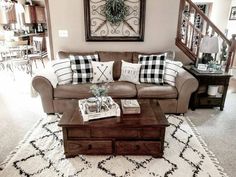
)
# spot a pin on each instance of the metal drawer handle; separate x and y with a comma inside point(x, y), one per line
point(89, 146)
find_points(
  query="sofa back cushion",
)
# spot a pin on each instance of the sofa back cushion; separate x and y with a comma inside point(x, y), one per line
point(136, 54)
point(117, 57)
point(66, 54)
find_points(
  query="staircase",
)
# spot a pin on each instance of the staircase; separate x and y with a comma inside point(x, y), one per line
point(189, 34)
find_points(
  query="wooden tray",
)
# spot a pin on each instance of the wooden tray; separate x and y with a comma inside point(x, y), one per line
point(111, 111)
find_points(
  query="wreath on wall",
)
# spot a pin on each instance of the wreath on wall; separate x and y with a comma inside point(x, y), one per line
point(115, 11)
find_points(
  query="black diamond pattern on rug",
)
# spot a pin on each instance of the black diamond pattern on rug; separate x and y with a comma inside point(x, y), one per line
point(21, 164)
point(43, 155)
point(54, 138)
point(184, 137)
point(128, 165)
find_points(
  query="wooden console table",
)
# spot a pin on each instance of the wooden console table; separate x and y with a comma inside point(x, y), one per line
point(200, 98)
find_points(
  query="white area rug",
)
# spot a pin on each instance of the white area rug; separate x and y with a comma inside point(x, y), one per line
point(41, 155)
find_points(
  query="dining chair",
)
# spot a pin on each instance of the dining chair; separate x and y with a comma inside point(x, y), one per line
point(17, 57)
point(2, 65)
point(10, 49)
point(7, 54)
point(38, 53)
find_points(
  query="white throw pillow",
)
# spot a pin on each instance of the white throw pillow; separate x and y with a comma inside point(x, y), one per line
point(63, 71)
point(171, 71)
point(102, 72)
point(130, 72)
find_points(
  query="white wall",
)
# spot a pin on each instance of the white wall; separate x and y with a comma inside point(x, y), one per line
point(219, 13)
point(160, 27)
point(231, 23)
point(232, 28)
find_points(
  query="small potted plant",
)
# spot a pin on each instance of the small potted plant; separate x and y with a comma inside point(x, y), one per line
point(99, 92)
point(214, 66)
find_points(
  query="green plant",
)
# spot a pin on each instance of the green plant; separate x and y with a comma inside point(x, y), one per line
point(214, 65)
point(115, 11)
point(99, 90)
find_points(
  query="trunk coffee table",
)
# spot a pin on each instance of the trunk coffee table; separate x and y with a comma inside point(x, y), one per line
point(136, 134)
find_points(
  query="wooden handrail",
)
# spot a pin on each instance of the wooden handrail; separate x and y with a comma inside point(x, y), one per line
point(192, 25)
point(189, 34)
point(212, 25)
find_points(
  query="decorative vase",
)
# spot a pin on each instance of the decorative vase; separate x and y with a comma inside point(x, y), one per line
point(99, 103)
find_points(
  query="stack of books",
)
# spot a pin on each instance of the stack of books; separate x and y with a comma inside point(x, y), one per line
point(130, 107)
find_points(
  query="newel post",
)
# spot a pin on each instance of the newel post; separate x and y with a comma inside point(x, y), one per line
point(231, 53)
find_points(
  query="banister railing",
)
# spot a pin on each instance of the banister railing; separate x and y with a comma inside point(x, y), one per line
point(189, 34)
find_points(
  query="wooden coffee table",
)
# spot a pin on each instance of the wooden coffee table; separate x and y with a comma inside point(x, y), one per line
point(137, 134)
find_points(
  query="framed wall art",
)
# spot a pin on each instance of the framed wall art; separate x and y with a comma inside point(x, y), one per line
point(114, 20)
point(233, 13)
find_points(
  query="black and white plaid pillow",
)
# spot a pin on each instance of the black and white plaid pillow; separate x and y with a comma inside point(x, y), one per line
point(82, 68)
point(152, 69)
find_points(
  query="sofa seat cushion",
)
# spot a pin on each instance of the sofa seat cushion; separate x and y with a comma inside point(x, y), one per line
point(122, 89)
point(70, 91)
point(156, 91)
point(116, 89)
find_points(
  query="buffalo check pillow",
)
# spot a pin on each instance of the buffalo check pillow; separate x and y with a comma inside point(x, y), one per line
point(152, 68)
point(63, 71)
point(82, 68)
point(171, 71)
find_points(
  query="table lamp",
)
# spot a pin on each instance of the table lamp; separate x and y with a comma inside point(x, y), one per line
point(208, 46)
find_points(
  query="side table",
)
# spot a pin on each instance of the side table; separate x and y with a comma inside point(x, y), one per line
point(200, 98)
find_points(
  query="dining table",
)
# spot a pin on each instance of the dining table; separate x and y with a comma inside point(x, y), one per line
point(14, 55)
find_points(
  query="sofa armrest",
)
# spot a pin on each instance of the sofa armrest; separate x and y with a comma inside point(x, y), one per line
point(49, 74)
point(45, 89)
point(186, 84)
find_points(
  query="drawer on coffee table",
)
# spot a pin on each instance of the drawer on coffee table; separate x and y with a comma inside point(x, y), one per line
point(78, 132)
point(89, 147)
point(115, 133)
point(151, 133)
point(138, 147)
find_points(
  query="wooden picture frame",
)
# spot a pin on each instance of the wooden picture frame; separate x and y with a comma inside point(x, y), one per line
point(233, 13)
point(99, 28)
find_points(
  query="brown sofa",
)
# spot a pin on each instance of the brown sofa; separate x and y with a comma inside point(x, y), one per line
point(172, 99)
